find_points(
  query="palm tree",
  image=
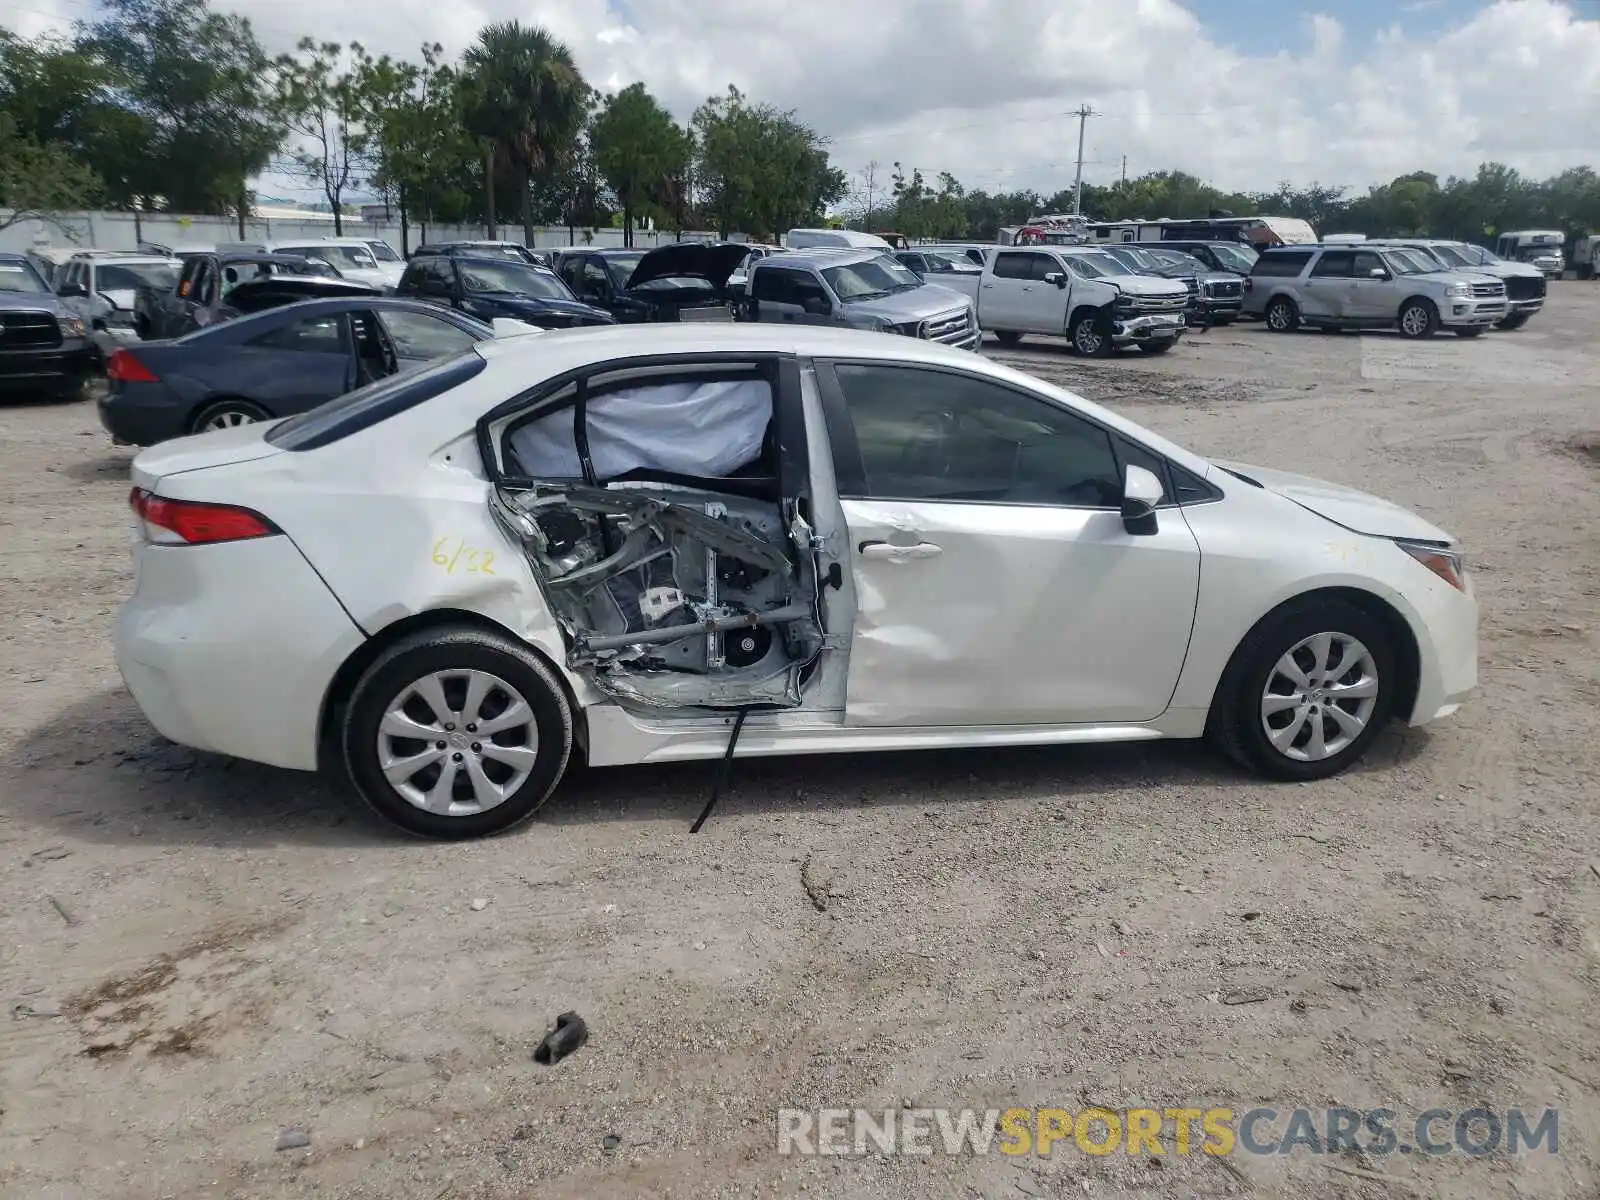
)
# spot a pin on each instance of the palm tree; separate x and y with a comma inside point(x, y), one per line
point(527, 101)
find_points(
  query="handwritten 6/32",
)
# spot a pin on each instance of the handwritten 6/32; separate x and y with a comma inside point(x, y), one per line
point(454, 555)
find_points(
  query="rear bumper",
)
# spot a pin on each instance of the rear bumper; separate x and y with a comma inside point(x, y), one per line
point(231, 648)
point(141, 414)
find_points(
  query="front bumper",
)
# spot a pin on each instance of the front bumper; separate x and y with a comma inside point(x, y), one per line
point(1525, 306)
point(217, 661)
point(1447, 646)
point(62, 367)
point(1213, 309)
point(1470, 313)
point(1152, 327)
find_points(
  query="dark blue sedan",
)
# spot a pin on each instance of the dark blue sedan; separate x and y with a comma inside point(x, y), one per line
point(273, 364)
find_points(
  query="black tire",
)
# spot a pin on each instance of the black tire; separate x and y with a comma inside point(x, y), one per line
point(1514, 321)
point(1236, 724)
point(1418, 319)
point(458, 649)
point(1282, 315)
point(1155, 347)
point(224, 411)
point(1470, 333)
point(1007, 337)
point(1090, 336)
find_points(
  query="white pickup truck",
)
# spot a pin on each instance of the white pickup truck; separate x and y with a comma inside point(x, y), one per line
point(1082, 294)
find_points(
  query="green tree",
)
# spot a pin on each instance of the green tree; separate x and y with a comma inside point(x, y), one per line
point(527, 100)
point(38, 181)
point(195, 86)
point(321, 104)
point(642, 154)
point(760, 168)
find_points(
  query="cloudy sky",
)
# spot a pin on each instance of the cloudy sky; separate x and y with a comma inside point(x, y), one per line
point(1242, 93)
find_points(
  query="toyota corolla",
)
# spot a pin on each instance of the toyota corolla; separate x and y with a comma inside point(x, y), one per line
point(686, 542)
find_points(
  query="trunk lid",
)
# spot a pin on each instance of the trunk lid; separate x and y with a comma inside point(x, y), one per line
point(713, 263)
point(219, 448)
point(1344, 506)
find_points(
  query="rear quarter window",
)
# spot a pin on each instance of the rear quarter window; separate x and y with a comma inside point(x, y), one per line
point(1280, 264)
point(377, 402)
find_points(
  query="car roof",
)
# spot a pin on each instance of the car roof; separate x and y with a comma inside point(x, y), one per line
point(824, 256)
point(564, 349)
point(493, 260)
point(130, 257)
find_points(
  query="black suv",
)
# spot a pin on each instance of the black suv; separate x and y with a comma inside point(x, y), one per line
point(1236, 258)
point(487, 288)
point(43, 344)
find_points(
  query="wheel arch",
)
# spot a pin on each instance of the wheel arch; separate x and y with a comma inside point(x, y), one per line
point(1418, 298)
point(1408, 654)
point(1079, 310)
point(350, 671)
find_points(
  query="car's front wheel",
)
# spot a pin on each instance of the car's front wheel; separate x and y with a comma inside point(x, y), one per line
point(457, 733)
point(1090, 336)
point(1307, 691)
point(1418, 319)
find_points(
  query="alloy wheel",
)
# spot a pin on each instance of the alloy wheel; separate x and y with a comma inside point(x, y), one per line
point(457, 742)
point(228, 418)
point(1319, 696)
point(1414, 321)
point(1087, 337)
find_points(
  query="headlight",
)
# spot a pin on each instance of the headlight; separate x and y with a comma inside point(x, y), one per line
point(70, 326)
point(1459, 291)
point(1446, 564)
point(1124, 303)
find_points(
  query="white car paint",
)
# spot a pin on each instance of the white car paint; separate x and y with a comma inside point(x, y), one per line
point(1023, 624)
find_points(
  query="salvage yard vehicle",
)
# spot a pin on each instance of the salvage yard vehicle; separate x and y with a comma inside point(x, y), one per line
point(833, 239)
point(632, 546)
point(515, 251)
point(44, 345)
point(1257, 232)
point(1215, 297)
point(1345, 286)
point(858, 289)
point(1236, 258)
point(1525, 284)
point(950, 269)
point(218, 287)
point(1082, 294)
point(1586, 256)
point(487, 288)
point(740, 278)
point(1543, 248)
point(274, 364)
point(681, 281)
point(104, 289)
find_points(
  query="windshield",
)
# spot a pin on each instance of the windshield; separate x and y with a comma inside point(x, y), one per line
point(1237, 258)
point(358, 257)
point(517, 277)
point(1476, 256)
point(622, 266)
point(880, 276)
point(1098, 265)
point(19, 277)
point(1177, 258)
point(1529, 253)
point(113, 277)
point(383, 252)
point(1403, 262)
point(1134, 259)
point(1450, 256)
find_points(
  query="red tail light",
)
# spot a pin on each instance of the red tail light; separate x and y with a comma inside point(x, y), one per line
point(124, 367)
point(189, 523)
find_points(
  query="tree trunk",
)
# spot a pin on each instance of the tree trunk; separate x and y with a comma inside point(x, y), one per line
point(627, 224)
point(405, 227)
point(488, 188)
point(243, 207)
point(526, 180)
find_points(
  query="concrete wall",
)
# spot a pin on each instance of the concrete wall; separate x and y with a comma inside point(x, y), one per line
point(116, 231)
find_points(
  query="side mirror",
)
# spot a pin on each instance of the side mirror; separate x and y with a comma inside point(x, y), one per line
point(817, 306)
point(74, 289)
point(1141, 492)
point(1058, 278)
point(1378, 273)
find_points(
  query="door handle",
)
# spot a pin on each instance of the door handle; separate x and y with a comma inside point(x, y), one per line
point(988, 285)
point(894, 553)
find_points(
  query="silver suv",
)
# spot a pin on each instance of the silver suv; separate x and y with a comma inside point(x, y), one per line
point(1358, 287)
point(1525, 283)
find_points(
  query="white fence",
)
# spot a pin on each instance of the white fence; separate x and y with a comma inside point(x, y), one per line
point(120, 231)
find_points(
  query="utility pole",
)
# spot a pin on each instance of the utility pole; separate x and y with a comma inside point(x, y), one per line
point(1124, 170)
point(1084, 113)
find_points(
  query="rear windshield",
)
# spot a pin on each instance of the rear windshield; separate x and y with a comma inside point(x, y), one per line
point(364, 407)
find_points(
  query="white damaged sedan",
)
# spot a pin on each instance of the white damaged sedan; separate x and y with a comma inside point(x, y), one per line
point(679, 542)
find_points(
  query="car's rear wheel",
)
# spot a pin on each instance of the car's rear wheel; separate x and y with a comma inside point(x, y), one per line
point(1283, 316)
point(457, 733)
point(226, 414)
point(1007, 337)
point(1418, 319)
point(1090, 337)
point(1307, 691)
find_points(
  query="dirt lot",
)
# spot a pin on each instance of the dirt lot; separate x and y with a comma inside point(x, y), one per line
point(200, 953)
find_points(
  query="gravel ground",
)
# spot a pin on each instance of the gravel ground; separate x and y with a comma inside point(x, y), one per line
point(201, 954)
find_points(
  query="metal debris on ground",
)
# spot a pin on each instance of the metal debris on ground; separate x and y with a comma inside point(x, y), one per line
point(569, 1033)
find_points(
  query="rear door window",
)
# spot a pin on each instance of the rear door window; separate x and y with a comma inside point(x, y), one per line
point(1281, 265)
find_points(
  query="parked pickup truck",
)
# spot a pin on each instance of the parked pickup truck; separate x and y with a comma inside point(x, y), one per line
point(861, 289)
point(1080, 293)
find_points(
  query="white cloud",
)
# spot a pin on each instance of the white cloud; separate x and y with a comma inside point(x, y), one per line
point(981, 88)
